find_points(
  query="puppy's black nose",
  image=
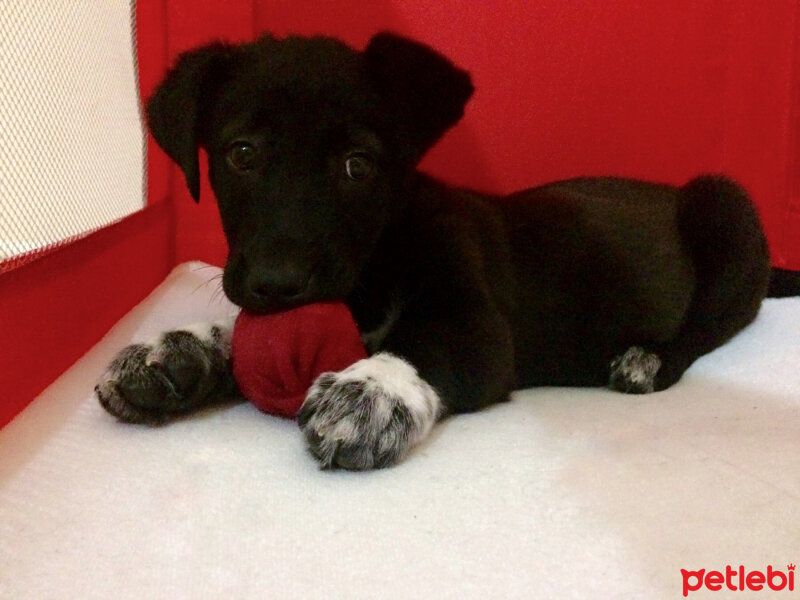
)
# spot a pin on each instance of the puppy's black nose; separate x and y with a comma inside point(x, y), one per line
point(284, 284)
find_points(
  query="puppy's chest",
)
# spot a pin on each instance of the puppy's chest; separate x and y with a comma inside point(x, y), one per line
point(375, 322)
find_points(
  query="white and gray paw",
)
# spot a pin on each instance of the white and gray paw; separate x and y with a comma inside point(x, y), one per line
point(369, 415)
point(635, 371)
point(182, 370)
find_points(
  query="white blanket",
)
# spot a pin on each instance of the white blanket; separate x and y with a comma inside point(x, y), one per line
point(561, 493)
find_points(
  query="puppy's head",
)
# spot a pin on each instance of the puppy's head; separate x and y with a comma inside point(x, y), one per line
point(309, 145)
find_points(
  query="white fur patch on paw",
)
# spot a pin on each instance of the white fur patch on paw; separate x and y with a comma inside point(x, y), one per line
point(217, 334)
point(368, 415)
point(635, 371)
point(146, 383)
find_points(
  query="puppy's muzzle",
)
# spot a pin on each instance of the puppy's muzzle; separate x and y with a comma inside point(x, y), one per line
point(266, 286)
point(283, 286)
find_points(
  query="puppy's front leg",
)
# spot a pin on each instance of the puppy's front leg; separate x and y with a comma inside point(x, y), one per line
point(370, 414)
point(374, 412)
point(180, 371)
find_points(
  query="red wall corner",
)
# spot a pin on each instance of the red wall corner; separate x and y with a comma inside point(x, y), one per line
point(54, 309)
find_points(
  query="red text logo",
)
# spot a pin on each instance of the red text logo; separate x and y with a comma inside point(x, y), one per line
point(739, 579)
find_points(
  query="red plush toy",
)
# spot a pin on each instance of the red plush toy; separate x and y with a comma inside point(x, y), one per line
point(277, 357)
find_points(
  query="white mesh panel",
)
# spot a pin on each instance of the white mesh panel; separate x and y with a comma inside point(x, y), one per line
point(71, 139)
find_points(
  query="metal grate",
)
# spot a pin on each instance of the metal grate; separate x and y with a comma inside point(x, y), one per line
point(72, 155)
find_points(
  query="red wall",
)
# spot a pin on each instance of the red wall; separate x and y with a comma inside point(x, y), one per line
point(659, 90)
point(54, 309)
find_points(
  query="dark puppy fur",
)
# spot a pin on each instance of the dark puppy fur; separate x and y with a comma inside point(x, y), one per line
point(461, 297)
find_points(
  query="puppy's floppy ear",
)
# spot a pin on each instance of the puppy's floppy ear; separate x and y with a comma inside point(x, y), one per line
point(177, 109)
point(424, 90)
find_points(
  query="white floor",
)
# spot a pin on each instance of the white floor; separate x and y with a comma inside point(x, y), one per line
point(562, 493)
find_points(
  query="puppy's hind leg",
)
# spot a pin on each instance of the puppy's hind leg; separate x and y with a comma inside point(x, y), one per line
point(722, 231)
point(634, 372)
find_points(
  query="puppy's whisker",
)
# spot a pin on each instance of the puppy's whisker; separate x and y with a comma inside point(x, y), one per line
point(211, 281)
point(217, 297)
point(217, 293)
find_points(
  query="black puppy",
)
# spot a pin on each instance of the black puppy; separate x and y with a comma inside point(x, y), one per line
point(460, 297)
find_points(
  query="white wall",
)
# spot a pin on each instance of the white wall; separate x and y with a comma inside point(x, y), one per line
point(71, 138)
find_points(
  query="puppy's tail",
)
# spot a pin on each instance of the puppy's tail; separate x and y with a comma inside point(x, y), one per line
point(783, 283)
point(714, 197)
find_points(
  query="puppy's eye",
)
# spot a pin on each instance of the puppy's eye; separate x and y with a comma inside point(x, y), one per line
point(359, 166)
point(242, 156)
